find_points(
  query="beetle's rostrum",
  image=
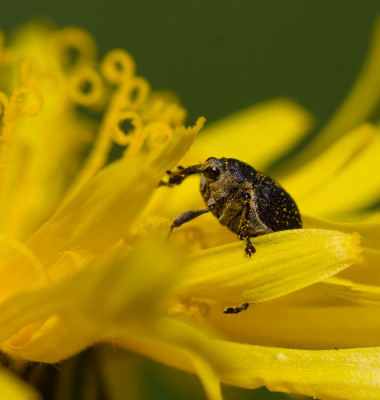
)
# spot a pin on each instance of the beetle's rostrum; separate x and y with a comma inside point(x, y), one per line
point(246, 201)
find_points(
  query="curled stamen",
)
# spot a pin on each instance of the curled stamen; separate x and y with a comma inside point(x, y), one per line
point(135, 136)
point(109, 128)
point(173, 114)
point(118, 66)
point(26, 100)
point(75, 47)
point(86, 87)
point(164, 107)
point(134, 93)
point(158, 134)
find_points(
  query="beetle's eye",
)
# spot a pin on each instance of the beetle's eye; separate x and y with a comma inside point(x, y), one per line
point(212, 172)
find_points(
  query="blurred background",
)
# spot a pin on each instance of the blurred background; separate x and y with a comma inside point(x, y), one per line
point(219, 57)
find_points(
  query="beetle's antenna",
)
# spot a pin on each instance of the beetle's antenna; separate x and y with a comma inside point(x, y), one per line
point(177, 178)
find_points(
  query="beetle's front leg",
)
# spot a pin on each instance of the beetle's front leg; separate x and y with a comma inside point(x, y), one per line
point(176, 178)
point(188, 216)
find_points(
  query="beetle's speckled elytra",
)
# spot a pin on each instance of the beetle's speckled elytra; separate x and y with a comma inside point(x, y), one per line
point(248, 202)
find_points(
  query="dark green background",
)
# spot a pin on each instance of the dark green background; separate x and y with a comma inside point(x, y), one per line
point(221, 56)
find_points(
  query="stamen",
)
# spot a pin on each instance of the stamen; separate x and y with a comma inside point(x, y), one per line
point(182, 139)
point(133, 93)
point(118, 66)
point(165, 110)
point(120, 100)
point(99, 152)
point(23, 100)
point(158, 134)
point(134, 137)
point(86, 87)
point(75, 47)
point(174, 114)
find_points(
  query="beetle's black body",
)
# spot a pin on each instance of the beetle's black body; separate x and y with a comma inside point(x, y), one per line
point(248, 202)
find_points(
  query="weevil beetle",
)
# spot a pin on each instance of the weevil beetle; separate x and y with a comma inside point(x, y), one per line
point(246, 201)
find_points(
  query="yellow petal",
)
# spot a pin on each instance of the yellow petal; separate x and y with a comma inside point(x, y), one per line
point(284, 262)
point(177, 147)
point(244, 135)
point(355, 187)
point(89, 223)
point(323, 326)
point(104, 210)
point(324, 374)
point(366, 295)
point(317, 173)
point(44, 136)
point(207, 375)
point(328, 374)
point(180, 345)
point(13, 388)
point(113, 297)
point(101, 213)
point(171, 202)
point(369, 231)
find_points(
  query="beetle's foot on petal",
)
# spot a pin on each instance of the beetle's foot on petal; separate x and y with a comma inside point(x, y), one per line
point(249, 248)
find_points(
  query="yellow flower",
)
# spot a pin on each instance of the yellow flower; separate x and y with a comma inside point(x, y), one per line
point(84, 255)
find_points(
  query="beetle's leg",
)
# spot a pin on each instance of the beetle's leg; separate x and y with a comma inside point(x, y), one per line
point(162, 183)
point(249, 248)
point(235, 310)
point(179, 168)
point(188, 216)
point(176, 178)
